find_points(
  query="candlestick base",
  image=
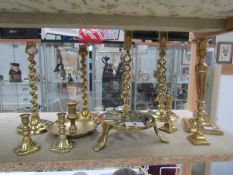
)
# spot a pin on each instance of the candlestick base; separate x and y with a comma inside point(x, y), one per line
point(168, 127)
point(161, 115)
point(209, 127)
point(198, 139)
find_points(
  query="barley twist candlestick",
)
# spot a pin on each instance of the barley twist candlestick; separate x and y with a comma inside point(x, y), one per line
point(126, 119)
point(27, 146)
point(84, 122)
point(84, 87)
point(37, 126)
point(126, 75)
point(161, 114)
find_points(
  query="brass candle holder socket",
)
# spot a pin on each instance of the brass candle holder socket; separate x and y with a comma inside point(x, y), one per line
point(27, 146)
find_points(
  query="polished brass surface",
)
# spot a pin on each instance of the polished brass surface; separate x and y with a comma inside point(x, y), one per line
point(126, 75)
point(118, 120)
point(126, 119)
point(168, 125)
point(200, 120)
point(84, 122)
point(62, 144)
point(72, 116)
point(161, 113)
point(82, 127)
point(84, 87)
point(37, 126)
point(27, 146)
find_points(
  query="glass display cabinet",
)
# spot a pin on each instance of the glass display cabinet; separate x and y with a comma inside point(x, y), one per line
point(14, 84)
point(58, 72)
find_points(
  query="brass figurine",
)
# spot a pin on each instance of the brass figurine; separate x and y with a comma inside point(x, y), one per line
point(168, 125)
point(200, 119)
point(37, 126)
point(161, 114)
point(62, 145)
point(27, 146)
point(126, 119)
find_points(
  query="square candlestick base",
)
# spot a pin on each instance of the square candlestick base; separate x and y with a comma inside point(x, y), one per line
point(168, 127)
point(198, 139)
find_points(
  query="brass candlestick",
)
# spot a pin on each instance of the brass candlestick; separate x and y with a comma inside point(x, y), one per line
point(85, 122)
point(75, 126)
point(85, 113)
point(126, 120)
point(27, 146)
point(72, 116)
point(62, 145)
point(37, 126)
point(161, 113)
point(168, 125)
point(200, 118)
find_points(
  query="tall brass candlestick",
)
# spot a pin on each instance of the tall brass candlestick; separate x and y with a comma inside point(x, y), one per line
point(198, 138)
point(37, 127)
point(84, 87)
point(161, 113)
point(126, 76)
point(200, 123)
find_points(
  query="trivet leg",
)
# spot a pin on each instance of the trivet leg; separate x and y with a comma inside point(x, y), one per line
point(161, 137)
point(101, 142)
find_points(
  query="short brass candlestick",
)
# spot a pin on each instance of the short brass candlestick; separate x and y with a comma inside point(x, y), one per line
point(27, 146)
point(75, 126)
point(200, 118)
point(62, 145)
point(37, 126)
point(126, 119)
point(168, 125)
point(72, 116)
point(161, 114)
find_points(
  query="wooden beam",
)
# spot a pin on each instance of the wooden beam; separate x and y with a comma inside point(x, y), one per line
point(149, 23)
point(228, 27)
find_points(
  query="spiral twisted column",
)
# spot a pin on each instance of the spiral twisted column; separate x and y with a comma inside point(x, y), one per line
point(161, 76)
point(126, 75)
point(37, 127)
point(84, 86)
point(161, 114)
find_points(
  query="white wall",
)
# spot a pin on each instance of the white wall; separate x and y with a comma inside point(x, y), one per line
point(222, 107)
